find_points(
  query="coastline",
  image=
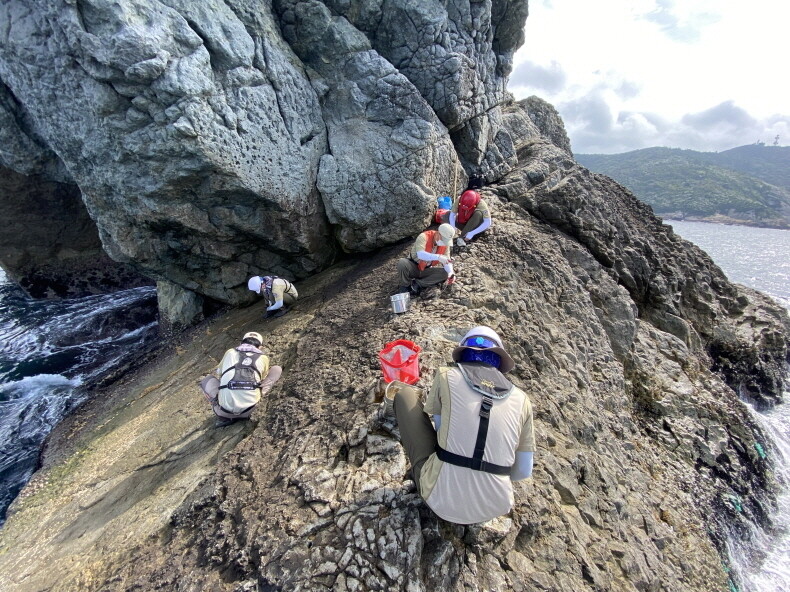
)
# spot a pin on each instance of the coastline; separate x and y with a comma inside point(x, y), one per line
point(724, 220)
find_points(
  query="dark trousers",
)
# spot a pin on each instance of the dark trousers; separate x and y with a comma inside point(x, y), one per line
point(473, 222)
point(416, 431)
point(408, 270)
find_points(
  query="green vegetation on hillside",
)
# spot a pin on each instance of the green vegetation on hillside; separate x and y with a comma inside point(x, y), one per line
point(750, 184)
point(767, 163)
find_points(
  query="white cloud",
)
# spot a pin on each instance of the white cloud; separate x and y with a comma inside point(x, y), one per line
point(673, 22)
point(626, 74)
point(549, 78)
point(593, 130)
point(726, 115)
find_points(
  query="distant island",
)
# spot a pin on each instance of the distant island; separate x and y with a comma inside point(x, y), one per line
point(747, 185)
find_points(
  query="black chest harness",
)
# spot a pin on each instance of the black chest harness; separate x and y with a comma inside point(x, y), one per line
point(491, 384)
point(245, 373)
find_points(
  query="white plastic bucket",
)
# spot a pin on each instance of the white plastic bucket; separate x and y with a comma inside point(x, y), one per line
point(400, 302)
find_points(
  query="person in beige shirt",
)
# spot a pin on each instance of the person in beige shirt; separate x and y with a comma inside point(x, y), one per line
point(469, 212)
point(428, 263)
point(482, 436)
point(278, 292)
point(244, 377)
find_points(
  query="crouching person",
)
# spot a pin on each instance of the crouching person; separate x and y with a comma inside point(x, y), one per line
point(428, 263)
point(244, 377)
point(279, 293)
point(481, 438)
point(470, 212)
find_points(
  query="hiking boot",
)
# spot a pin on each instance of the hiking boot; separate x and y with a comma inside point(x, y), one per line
point(221, 422)
point(273, 314)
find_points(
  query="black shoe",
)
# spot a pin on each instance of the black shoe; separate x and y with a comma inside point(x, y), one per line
point(403, 290)
point(273, 314)
point(221, 422)
point(415, 289)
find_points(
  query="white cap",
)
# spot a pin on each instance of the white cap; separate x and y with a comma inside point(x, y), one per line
point(253, 335)
point(254, 284)
point(447, 232)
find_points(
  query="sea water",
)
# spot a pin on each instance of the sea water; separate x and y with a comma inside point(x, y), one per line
point(758, 258)
point(51, 351)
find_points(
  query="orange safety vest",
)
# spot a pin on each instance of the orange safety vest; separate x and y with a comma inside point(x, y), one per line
point(429, 246)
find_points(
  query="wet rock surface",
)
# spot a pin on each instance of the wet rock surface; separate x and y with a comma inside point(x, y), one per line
point(646, 456)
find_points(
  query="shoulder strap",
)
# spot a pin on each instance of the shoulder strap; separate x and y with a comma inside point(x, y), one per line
point(476, 462)
point(239, 365)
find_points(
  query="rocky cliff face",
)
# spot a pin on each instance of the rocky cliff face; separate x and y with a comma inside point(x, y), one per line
point(214, 140)
point(211, 140)
point(629, 341)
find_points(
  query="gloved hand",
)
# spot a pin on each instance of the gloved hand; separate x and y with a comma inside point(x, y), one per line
point(460, 242)
point(443, 259)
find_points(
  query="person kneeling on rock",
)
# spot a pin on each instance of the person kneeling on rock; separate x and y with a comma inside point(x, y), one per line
point(428, 263)
point(277, 292)
point(483, 437)
point(470, 212)
point(244, 377)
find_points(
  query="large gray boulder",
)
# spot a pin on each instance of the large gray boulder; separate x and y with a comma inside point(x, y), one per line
point(388, 152)
point(214, 140)
point(196, 159)
point(459, 55)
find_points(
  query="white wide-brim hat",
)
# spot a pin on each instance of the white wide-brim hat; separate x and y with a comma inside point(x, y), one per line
point(446, 234)
point(507, 363)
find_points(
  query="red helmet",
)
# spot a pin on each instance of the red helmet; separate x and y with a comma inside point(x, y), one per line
point(467, 204)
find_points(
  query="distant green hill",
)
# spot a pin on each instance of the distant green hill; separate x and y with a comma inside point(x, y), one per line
point(767, 163)
point(745, 185)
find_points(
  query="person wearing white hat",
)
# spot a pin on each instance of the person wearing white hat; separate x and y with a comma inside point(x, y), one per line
point(428, 263)
point(482, 437)
point(244, 377)
point(278, 292)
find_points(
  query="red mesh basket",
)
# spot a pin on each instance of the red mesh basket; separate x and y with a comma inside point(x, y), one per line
point(400, 361)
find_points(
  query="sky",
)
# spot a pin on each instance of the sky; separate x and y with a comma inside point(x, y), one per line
point(627, 74)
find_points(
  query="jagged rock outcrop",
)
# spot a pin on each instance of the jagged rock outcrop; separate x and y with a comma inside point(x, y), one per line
point(547, 120)
point(214, 140)
point(674, 288)
point(646, 458)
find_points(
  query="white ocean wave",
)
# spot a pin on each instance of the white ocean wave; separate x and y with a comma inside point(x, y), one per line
point(763, 562)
